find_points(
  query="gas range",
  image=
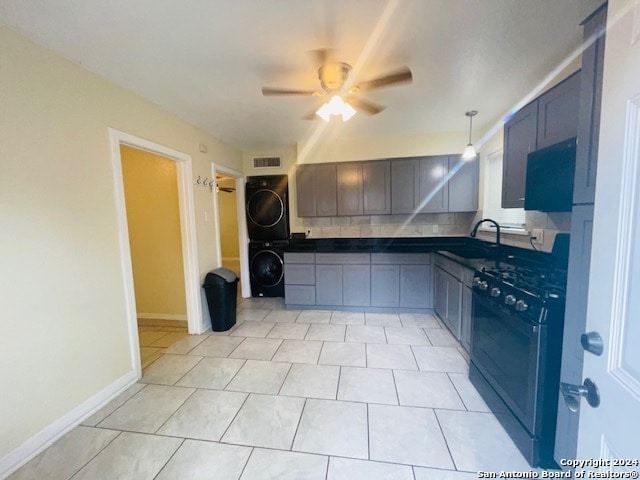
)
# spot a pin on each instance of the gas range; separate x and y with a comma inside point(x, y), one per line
point(521, 287)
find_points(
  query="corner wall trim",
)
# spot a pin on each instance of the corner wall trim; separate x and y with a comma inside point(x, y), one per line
point(44, 438)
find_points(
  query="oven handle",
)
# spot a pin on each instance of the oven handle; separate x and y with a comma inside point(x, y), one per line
point(515, 320)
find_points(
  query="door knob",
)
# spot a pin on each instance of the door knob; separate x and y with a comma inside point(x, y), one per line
point(572, 393)
point(592, 342)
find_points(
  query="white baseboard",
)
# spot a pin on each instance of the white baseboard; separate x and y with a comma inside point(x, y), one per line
point(43, 439)
point(163, 316)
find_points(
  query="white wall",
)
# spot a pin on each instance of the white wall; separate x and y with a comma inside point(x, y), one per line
point(64, 335)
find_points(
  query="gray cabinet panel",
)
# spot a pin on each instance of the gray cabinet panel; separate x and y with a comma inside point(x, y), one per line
point(584, 187)
point(300, 294)
point(376, 187)
point(299, 274)
point(404, 185)
point(558, 112)
point(343, 258)
point(385, 285)
point(329, 284)
point(401, 258)
point(415, 286)
point(316, 187)
point(454, 305)
point(356, 285)
point(432, 188)
point(295, 257)
point(519, 140)
point(465, 329)
point(463, 185)
point(440, 292)
point(350, 195)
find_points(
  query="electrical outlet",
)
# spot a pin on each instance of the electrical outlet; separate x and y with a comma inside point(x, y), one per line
point(537, 234)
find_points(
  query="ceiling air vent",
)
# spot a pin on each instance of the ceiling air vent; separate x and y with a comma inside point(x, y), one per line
point(266, 162)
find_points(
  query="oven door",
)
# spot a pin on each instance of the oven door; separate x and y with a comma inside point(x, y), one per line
point(507, 351)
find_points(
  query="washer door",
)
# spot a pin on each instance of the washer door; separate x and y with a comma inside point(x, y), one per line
point(265, 208)
point(267, 268)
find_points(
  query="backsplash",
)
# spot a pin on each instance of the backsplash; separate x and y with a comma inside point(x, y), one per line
point(385, 226)
point(434, 224)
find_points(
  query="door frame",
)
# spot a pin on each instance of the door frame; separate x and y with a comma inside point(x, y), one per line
point(243, 236)
point(187, 230)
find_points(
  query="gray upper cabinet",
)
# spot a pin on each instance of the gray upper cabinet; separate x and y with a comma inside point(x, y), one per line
point(404, 185)
point(584, 187)
point(549, 119)
point(350, 193)
point(463, 185)
point(558, 112)
point(316, 187)
point(431, 186)
point(519, 140)
point(376, 187)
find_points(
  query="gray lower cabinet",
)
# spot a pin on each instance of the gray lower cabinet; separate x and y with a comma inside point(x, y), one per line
point(385, 285)
point(356, 285)
point(329, 284)
point(377, 280)
point(452, 297)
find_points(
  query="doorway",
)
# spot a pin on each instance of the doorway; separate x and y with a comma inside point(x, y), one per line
point(193, 299)
point(231, 226)
point(153, 220)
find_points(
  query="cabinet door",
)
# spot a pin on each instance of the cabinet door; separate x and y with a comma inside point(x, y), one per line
point(558, 112)
point(404, 185)
point(356, 285)
point(376, 184)
point(519, 140)
point(432, 187)
point(465, 328)
point(440, 292)
point(385, 285)
point(324, 190)
point(415, 286)
point(350, 197)
point(463, 185)
point(329, 284)
point(584, 186)
point(304, 187)
point(454, 305)
point(316, 188)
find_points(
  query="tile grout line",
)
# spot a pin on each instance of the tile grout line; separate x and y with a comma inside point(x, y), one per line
point(234, 418)
point(293, 439)
point(176, 410)
point(284, 379)
point(244, 467)
point(457, 392)
point(444, 437)
point(98, 453)
point(244, 362)
point(170, 458)
point(393, 374)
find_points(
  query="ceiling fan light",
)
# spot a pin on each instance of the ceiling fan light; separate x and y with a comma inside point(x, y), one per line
point(324, 112)
point(347, 112)
point(469, 152)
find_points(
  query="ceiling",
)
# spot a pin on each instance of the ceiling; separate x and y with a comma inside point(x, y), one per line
point(206, 60)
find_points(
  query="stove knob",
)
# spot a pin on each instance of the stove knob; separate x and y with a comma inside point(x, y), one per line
point(495, 292)
point(521, 306)
point(483, 286)
point(476, 282)
point(510, 300)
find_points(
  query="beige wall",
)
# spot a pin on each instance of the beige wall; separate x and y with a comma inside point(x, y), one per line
point(153, 218)
point(62, 290)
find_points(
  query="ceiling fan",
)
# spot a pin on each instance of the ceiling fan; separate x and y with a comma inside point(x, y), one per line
point(333, 75)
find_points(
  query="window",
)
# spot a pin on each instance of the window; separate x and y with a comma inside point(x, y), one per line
point(509, 217)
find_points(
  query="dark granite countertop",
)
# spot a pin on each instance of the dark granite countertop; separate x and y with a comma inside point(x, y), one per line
point(470, 252)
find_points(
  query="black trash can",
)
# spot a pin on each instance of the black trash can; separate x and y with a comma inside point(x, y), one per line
point(221, 288)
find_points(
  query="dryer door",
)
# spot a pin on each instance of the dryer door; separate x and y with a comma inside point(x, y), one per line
point(267, 268)
point(265, 208)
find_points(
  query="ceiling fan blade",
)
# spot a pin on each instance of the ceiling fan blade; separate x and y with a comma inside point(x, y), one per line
point(226, 189)
point(268, 91)
point(400, 76)
point(365, 105)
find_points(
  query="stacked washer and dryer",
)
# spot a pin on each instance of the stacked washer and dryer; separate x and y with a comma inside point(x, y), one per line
point(267, 208)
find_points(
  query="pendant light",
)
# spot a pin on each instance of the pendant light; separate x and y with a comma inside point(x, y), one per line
point(470, 152)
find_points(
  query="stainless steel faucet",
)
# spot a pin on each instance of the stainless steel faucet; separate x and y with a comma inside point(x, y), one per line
point(475, 229)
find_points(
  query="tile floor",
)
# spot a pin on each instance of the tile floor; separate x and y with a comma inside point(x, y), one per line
point(155, 336)
point(293, 395)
